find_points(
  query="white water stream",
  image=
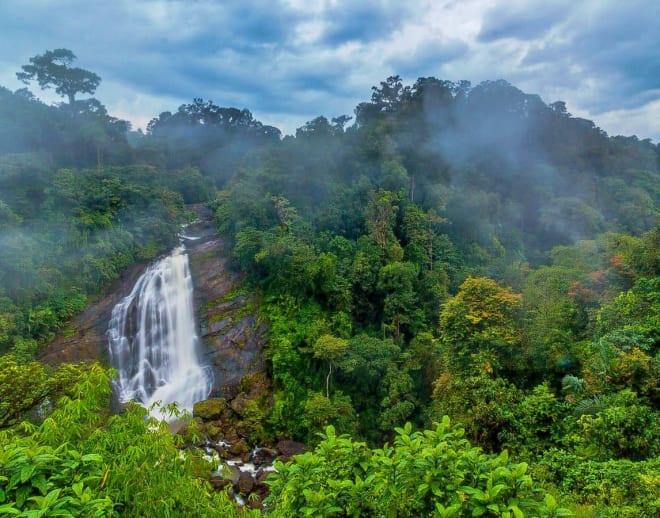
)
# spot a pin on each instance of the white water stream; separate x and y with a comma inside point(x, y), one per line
point(152, 339)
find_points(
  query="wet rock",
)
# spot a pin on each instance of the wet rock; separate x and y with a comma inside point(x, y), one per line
point(215, 327)
point(263, 456)
point(231, 473)
point(254, 502)
point(245, 483)
point(255, 385)
point(288, 449)
point(230, 435)
point(236, 351)
point(220, 448)
point(219, 483)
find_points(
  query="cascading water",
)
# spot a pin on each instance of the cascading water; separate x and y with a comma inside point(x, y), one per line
point(153, 344)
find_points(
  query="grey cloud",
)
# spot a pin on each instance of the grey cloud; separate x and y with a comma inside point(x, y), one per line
point(428, 57)
point(615, 46)
point(528, 21)
point(366, 21)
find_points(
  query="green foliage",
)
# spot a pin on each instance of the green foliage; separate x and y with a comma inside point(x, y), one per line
point(537, 422)
point(623, 427)
point(80, 462)
point(319, 412)
point(486, 406)
point(396, 280)
point(22, 386)
point(380, 218)
point(293, 326)
point(552, 324)
point(615, 488)
point(45, 481)
point(636, 311)
point(433, 472)
point(481, 317)
point(330, 348)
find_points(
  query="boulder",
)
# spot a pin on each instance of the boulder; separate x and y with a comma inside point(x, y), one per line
point(210, 409)
point(231, 473)
point(238, 404)
point(213, 430)
point(239, 448)
point(219, 483)
point(245, 483)
point(263, 456)
point(254, 502)
point(288, 449)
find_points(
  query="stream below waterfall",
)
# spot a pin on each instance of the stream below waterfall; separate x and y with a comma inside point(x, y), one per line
point(153, 341)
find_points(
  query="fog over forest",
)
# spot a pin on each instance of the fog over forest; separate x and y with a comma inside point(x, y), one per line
point(449, 293)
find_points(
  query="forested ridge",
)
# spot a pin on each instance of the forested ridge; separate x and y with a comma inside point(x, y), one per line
point(450, 250)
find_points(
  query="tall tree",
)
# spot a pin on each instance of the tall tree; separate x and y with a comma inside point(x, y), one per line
point(481, 317)
point(52, 68)
point(330, 348)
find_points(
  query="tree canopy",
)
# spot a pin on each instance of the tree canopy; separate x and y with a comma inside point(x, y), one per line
point(53, 69)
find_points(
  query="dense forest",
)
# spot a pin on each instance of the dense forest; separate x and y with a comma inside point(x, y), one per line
point(461, 285)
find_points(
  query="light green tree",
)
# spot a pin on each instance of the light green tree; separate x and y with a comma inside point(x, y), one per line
point(331, 349)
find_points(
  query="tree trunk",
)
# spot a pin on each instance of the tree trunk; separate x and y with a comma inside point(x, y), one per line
point(327, 381)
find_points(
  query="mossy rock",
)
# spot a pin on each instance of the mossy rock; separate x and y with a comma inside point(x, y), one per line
point(194, 432)
point(238, 404)
point(239, 448)
point(213, 431)
point(210, 409)
point(255, 385)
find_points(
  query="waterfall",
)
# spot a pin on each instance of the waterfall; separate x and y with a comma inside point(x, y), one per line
point(152, 339)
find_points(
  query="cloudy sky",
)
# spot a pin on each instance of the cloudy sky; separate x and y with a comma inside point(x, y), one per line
point(290, 60)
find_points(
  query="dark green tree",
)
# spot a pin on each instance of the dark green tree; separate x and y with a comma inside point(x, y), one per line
point(53, 69)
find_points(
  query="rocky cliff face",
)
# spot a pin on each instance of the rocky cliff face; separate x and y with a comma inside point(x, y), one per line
point(232, 337)
point(85, 339)
point(231, 334)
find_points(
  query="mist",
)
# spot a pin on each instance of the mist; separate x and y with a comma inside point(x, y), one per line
point(423, 186)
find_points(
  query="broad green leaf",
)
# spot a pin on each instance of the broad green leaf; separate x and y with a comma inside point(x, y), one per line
point(26, 472)
point(8, 509)
point(39, 481)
